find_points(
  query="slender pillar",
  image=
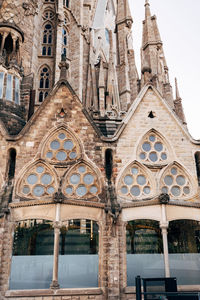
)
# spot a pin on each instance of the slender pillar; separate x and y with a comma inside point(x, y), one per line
point(57, 226)
point(164, 226)
point(5, 34)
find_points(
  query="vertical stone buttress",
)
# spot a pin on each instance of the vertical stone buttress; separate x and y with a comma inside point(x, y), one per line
point(127, 73)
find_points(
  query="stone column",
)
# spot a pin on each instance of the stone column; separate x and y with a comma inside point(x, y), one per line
point(164, 226)
point(57, 226)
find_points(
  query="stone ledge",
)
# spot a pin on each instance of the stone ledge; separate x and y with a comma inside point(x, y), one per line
point(49, 292)
point(129, 290)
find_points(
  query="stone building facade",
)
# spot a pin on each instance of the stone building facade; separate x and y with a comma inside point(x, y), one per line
point(99, 175)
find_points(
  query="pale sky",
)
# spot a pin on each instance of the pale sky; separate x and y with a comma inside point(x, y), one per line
point(179, 24)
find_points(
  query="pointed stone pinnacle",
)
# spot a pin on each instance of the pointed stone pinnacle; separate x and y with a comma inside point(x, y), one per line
point(177, 90)
point(147, 2)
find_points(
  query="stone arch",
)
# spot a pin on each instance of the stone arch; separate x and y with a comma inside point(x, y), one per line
point(177, 182)
point(38, 181)
point(154, 150)
point(82, 182)
point(135, 182)
point(61, 146)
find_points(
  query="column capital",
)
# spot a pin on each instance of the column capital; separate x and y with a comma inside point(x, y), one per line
point(57, 225)
point(164, 225)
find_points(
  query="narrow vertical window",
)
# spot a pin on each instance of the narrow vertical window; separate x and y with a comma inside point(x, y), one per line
point(1, 84)
point(64, 42)
point(108, 164)
point(197, 160)
point(66, 3)
point(47, 40)
point(17, 90)
point(11, 164)
point(9, 87)
point(107, 36)
point(44, 84)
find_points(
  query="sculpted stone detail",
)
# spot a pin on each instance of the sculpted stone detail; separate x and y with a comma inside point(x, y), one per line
point(30, 7)
point(86, 33)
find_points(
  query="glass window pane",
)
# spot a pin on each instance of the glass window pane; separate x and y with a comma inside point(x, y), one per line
point(88, 179)
point(146, 147)
point(184, 251)
point(75, 178)
point(144, 250)
point(81, 191)
point(128, 180)
point(61, 156)
point(141, 180)
point(135, 191)
point(73, 155)
point(1, 84)
point(78, 260)
point(9, 87)
point(17, 90)
point(68, 145)
point(32, 260)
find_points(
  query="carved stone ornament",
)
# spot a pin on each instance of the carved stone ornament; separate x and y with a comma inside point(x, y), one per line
point(164, 198)
point(86, 33)
point(30, 7)
point(58, 196)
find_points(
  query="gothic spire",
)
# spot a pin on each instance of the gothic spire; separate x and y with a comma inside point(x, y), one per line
point(152, 55)
point(124, 13)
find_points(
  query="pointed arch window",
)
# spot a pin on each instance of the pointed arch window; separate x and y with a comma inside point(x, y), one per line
point(47, 40)
point(153, 150)
point(61, 147)
point(176, 183)
point(81, 182)
point(38, 182)
point(44, 84)
point(135, 183)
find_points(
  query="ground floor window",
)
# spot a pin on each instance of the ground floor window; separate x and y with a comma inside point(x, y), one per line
point(184, 251)
point(33, 258)
point(144, 250)
point(78, 259)
point(146, 257)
